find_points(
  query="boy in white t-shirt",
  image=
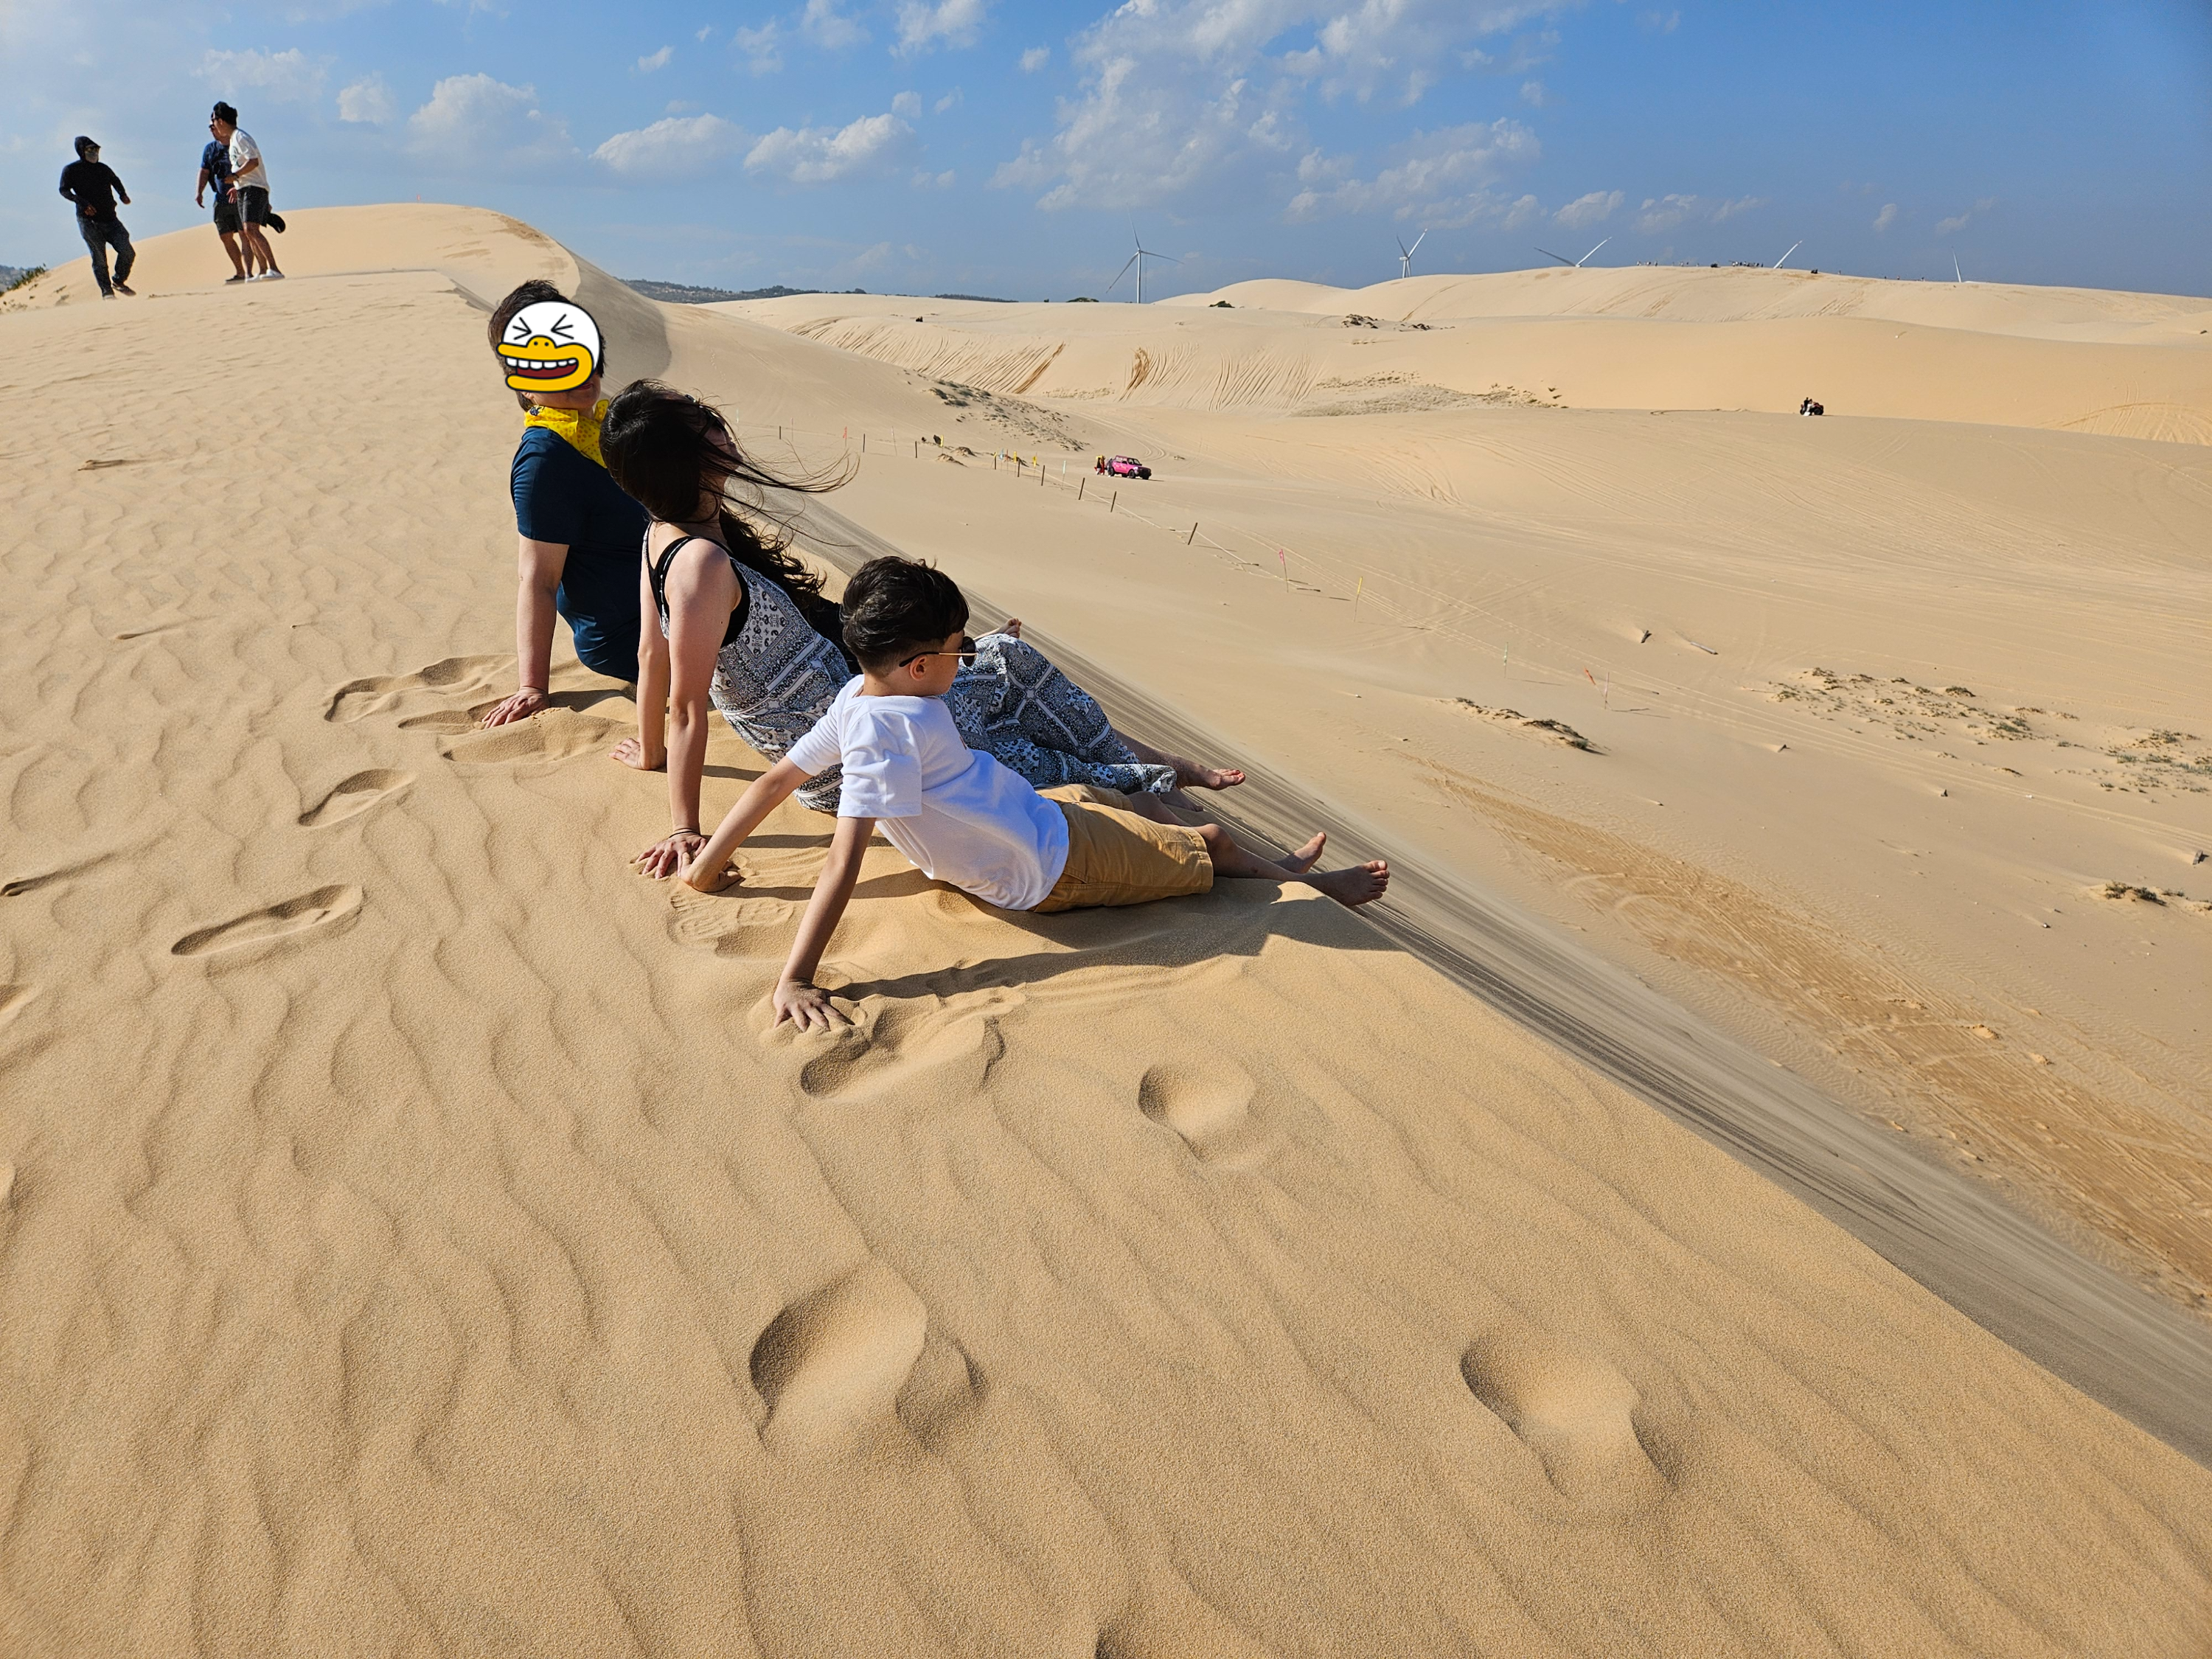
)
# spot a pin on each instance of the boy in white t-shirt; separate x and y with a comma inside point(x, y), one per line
point(957, 813)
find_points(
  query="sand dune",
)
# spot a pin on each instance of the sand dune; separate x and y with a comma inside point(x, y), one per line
point(1638, 339)
point(414, 1242)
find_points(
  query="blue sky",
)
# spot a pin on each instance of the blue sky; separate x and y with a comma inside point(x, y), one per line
point(980, 146)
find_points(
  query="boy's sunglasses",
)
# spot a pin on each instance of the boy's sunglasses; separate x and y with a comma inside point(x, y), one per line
point(966, 653)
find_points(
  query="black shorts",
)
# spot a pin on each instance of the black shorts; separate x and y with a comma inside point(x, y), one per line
point(253, 203)
point(226, 218)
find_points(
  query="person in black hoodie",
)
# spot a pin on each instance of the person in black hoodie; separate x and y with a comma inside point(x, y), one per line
point(91, 184)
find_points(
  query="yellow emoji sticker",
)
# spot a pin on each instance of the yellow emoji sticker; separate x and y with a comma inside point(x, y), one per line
point(552, 346)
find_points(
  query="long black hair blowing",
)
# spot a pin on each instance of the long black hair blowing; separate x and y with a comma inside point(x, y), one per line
point(667, 449)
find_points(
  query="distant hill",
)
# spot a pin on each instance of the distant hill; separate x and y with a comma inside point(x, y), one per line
point(682, 293)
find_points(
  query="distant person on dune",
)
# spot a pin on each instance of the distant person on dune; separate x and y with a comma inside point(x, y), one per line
point(91, 184)
point(249, 190)
point(744, 626)
point(965, 819)
point(215, 174)
point(577, 533)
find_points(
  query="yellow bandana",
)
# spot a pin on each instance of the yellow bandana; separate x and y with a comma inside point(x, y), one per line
point(578, 428)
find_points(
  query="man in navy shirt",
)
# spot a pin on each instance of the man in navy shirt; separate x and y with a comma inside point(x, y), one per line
point(579, 536)
point(92, 184)
point(214, 171)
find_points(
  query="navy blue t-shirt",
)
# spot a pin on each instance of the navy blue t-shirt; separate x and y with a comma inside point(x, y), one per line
point(562, 496)
point(214, 161)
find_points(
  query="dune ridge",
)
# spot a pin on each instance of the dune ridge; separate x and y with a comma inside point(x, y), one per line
point(452, 1261)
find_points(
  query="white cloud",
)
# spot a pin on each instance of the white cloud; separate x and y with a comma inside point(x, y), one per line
point(701, 36)
point(282, 76)
point(1533, 95)
point(1209, 95)
point(947, 101)
point(1035, 58)
point(952, 22)
point(671, 147)
point(1664, 213)
point(472, 117)
point(1661, 22)
point(908, 104)
point(1594, 208)
point(367, 100)
point(1520, 213)
point(1887, 218)
point(1944, 227)
point(825, 26)
point(1441, 178)
point(873, 258)
point(818, 155)
point(926, 181)
point(761, 47)
point(657, 60)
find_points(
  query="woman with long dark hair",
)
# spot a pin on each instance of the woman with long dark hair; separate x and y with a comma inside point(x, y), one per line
point(745, 626)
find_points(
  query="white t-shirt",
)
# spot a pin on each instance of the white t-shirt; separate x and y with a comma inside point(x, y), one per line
point(959, 815)
point(244, 153)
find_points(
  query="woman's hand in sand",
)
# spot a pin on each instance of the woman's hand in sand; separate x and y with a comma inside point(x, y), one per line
point(631, 753)
point(668, 856)
point(807, 1007)
point(519, 706)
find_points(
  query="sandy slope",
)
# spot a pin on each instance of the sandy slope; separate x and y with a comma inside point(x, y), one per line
point(415, 1244)
point(1898, 889)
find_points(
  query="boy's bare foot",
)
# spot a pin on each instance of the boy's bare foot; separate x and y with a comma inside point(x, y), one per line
point(1307, 856)
point(1362, 883)
point(1012, 629)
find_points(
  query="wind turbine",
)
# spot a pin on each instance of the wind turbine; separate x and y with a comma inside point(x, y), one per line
point(1138, 259)
point(1957, 274)
point(1563, 259)
point(1406, 254)
point(1793, 246)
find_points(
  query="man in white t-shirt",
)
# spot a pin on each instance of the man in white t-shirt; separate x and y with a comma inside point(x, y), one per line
point(963, 818)
point(249, 190)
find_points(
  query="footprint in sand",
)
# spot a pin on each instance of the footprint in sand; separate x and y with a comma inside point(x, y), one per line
point(836, 1361)
point(556, 734)
point(1585, 1421)
point(1210, 1106)
point(12, 998)
point(382, 694)
point(355, 795)
point(953, 1047)
point(734, 923)
point(327, 907)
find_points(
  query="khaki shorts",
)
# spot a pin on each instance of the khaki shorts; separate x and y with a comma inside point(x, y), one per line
point(1114, 857)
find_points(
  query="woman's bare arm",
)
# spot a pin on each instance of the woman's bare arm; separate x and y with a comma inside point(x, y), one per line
point(648, 750)
point(701, 591)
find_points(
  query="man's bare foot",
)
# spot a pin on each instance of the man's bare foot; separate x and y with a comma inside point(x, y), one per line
point(1012, 629)
point(1362, 883)
point(1307, 856)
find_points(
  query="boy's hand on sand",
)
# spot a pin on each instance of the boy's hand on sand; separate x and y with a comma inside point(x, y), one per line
point(700, 880)
point(519, 706)
point(631, 753)
point(668, 855)
point(808, 1007)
